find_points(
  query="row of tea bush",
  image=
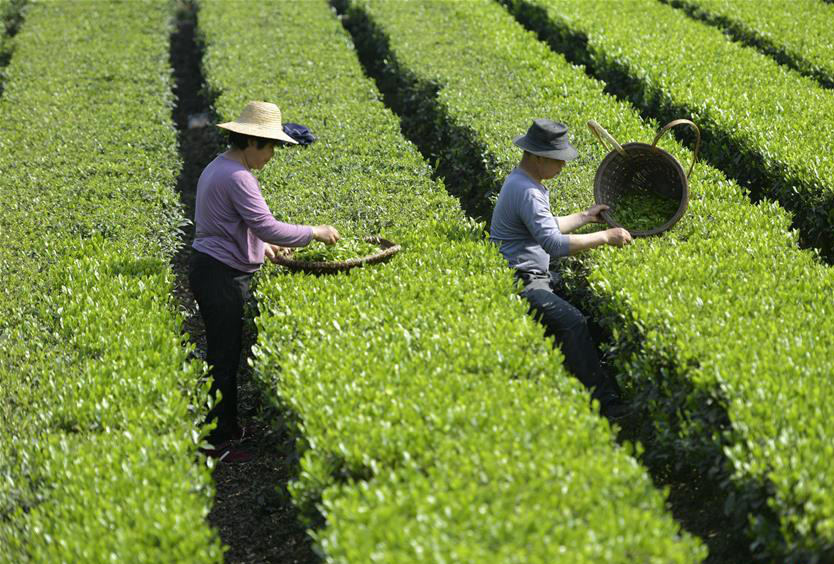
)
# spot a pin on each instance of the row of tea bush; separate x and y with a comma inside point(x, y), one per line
point(719, 327)
point(797, 34)
point(763, 123)
point(436, 422)
point(98, 404)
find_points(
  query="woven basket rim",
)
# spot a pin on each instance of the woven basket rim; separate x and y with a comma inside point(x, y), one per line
point(389, 249)
point(682, 206)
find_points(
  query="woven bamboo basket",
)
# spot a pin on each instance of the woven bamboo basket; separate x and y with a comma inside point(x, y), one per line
point(387, 250)
point(639, 166)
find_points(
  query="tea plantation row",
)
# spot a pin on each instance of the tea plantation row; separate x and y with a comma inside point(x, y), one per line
point(796, 33)
point(719, 326)
point(6, 14)
point(97, 402)
point(12, 13)
point(763, 122)
point(437, 422)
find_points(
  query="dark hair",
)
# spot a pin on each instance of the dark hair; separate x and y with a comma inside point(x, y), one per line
point(241, 140)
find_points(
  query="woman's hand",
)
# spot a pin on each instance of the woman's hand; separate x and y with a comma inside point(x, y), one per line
point(617, 237)
point(327, 234)
point(273, 251)
point(593, 214)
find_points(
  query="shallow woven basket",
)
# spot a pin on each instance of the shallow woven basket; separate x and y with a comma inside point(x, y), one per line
point(638, 166)
point(387, 250)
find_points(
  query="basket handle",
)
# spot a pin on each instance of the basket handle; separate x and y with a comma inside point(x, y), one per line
point(604, 136)
point(672, 124)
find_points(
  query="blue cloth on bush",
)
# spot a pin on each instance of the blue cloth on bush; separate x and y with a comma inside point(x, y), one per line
point(300, 133)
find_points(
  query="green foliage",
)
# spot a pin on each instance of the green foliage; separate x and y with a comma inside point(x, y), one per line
point(720, 327)
point(422, 374)
point(761, 121)
point(99, 404)
point(797, 33)
point(641, 210)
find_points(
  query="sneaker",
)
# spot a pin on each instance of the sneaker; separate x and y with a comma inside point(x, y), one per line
point(226, 452)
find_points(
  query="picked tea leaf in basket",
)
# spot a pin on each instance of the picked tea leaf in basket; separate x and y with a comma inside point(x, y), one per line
point(644, 186)
point(345, 249)
point(640, 210)
point(346, 254)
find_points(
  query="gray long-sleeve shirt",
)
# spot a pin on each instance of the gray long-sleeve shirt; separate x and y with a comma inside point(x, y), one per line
point(524, 227)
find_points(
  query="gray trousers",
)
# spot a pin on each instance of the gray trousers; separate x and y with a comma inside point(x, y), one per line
point(569, 327)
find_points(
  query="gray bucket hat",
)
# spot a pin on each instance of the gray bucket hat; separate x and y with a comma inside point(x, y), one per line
point(547, 138)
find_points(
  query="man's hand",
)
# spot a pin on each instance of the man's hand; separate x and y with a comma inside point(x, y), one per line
point(617, 237)
point(273, 251)
point(327, 234)
point(593, 214)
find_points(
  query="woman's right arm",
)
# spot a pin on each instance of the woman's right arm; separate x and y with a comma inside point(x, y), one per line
point(250, 204)
point(326, 234)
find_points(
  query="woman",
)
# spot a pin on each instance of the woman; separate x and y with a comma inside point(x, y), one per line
point(235, 230)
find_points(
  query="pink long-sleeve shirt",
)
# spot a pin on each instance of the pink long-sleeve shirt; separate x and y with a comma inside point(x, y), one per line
point(233, 220)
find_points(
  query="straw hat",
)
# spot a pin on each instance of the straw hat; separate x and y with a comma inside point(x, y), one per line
point(259, 119)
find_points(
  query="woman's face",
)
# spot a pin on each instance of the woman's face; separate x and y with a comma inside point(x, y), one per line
point(257, 158)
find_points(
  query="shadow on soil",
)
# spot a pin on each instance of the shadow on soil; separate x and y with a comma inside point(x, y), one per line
point(253, 511)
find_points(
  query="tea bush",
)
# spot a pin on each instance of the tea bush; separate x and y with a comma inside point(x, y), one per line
point(98, 402)
point(720, 327)
point(424, 373)
point(762, 122)
point(797, 34)
point(6, 15)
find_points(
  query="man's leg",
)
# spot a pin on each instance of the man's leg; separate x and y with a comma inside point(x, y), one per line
point(570, 329)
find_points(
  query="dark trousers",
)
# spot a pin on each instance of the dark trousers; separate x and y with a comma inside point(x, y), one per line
point(221, 293)
point(569, 327)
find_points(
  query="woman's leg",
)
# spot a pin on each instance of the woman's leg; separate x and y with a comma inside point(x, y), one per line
point(221, 293)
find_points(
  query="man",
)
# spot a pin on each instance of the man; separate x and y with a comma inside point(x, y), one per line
point(530, 236)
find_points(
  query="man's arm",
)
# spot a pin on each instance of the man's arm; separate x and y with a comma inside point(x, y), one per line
point(545, 230)
point(534, 211)
point(574, 221)
point(616, 236)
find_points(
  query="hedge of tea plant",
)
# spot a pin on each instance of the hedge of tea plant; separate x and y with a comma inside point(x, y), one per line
point(763, 123)
point(99, 406)
point(797, 34)
point(423, 373)
point(721, 327)
point(12, 14)
point(6, 15)
point(5, 8)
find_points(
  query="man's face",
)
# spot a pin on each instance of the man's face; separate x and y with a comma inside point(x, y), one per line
point(548, 168)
